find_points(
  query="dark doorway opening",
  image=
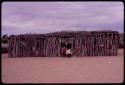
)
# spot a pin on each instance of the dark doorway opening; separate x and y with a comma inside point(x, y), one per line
point(64, 47)
point(68, 45)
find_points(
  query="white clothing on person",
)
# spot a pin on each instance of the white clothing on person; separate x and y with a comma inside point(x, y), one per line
point(68, 51)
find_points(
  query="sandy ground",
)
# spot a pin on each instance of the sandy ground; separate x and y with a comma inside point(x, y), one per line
point(96, 69)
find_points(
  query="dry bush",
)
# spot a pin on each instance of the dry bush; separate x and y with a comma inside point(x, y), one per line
point(121, 43)
point(4, 50)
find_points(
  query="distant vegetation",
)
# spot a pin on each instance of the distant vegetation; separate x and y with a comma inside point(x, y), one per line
point(4, 39)
point(4, 44)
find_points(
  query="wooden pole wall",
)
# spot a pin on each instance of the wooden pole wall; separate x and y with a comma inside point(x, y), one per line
point(83, 44)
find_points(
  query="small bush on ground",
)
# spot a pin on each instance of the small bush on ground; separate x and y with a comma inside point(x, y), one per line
point(4, 50)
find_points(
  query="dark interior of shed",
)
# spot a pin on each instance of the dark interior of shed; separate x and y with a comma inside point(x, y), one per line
point(64, 47)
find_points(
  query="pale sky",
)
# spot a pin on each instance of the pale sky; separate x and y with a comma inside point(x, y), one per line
point(45, 17)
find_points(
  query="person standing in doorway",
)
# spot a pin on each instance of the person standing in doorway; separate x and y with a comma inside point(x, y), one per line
point(68, 52)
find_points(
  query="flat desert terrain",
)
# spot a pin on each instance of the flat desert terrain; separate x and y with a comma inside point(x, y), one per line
point(93, 69)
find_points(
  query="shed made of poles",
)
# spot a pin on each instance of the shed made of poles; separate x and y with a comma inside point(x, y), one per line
point(83, 43)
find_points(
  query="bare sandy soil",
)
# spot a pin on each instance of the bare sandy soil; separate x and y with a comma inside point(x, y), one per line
point(96, 69)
